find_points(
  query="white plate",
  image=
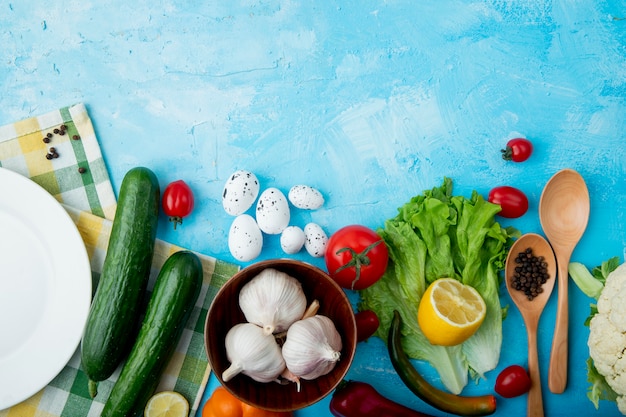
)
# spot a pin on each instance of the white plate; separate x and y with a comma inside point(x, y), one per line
point(45, 288)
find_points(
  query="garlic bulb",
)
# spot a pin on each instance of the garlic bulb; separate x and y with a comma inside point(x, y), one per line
point(272, 300)
point(312, 348)
point(252, 352)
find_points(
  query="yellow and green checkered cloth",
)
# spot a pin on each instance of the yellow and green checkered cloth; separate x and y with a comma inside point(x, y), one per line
point(78, 179)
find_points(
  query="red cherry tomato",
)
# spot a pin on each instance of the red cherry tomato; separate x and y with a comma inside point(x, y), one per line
point(513, 381)
point(177, 201)
point(517, 150)
point(513, 201)
point(356, 257)
point(366, 324)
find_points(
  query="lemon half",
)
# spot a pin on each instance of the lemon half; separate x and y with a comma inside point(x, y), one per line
point(167, 404)
point(450, 312)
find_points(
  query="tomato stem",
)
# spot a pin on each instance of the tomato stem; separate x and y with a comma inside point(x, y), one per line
point(358, 259)
point(176, 220)
point(507, 154)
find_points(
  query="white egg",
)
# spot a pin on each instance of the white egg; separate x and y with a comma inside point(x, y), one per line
point(315, 240)
point(272, 211)
point(245, 239)
point(240, 192)
point(305, 197)
point(292, 239)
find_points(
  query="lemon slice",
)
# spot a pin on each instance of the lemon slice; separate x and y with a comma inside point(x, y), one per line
point(450, 312)
point(167, 404)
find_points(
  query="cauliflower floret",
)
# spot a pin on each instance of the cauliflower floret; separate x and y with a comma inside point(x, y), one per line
point(607, 334)
point(612, 300)
point(606, 345)
point(621, 404)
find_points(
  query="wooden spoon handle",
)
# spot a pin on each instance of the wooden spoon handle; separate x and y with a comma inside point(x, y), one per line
point(557, 374)
point(535, 397)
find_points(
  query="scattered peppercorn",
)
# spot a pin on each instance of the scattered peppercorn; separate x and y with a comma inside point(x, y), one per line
point(75, 137)
point(530, 274)
point(56, 131)
point(46, 139)
point(62, 132)
point(52, 153)
point(82, 170)
point(63, 127)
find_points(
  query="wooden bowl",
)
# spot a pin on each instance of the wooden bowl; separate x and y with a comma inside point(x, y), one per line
point(224, 313)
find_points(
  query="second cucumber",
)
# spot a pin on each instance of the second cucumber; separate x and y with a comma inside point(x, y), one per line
point(115, 309)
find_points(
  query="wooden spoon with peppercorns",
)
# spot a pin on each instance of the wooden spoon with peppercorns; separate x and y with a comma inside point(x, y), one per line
point(530, 273)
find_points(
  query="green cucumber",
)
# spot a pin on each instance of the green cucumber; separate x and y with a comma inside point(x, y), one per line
point(116, 305)
point(175, 292)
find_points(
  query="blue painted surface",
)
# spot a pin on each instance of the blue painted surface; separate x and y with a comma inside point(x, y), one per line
point(370, 101)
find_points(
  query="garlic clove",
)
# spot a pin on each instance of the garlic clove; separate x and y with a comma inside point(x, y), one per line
point(272, 300)
point(313, 347)
point(252, 352)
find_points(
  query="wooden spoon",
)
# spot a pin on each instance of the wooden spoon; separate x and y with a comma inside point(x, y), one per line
point(564, 212)
point(531, 309)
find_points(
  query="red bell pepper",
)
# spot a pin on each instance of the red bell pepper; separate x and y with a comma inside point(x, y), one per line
point(359, 399)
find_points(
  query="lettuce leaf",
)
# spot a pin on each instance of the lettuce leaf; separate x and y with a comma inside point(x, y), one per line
point(439, 235)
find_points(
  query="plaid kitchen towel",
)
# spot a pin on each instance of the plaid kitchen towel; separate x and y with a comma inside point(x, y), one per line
point(87, 196)
point(60, 152)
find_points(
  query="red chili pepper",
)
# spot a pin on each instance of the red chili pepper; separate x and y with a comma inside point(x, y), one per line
point(359, 399)
point(366, 324)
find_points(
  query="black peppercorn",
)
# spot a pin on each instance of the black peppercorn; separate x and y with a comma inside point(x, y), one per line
point(530, 274)
point(82, 170)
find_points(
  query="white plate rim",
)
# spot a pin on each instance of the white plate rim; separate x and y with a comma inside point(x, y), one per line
point(33, 365)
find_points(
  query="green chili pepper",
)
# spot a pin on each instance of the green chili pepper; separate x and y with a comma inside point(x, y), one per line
point(447, 402)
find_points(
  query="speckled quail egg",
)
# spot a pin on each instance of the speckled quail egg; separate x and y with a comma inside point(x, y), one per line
point(315, 240)
point(292, 239)
point(245, 239)
point(305, 197)
point(240, 192)
point(272, 211)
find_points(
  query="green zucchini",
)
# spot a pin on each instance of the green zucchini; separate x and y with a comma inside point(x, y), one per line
point(116, 305)
point(175, 292)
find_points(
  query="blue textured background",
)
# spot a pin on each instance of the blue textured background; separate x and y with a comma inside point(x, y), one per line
point(369, 101)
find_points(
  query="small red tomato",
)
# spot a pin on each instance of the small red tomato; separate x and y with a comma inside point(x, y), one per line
point(366, 324)
point(356, 257)
point(517, 150)
point(513, 381)
point(512, 201)
point(177, 201)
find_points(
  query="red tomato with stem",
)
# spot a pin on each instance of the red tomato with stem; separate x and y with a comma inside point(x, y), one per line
point(356, 257)
point(513, 202)
point(517, 150)
point(513, 381)
point(177, 201)
point(367, 323)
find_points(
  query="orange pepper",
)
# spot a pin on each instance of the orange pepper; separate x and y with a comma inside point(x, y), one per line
point(223, 404)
